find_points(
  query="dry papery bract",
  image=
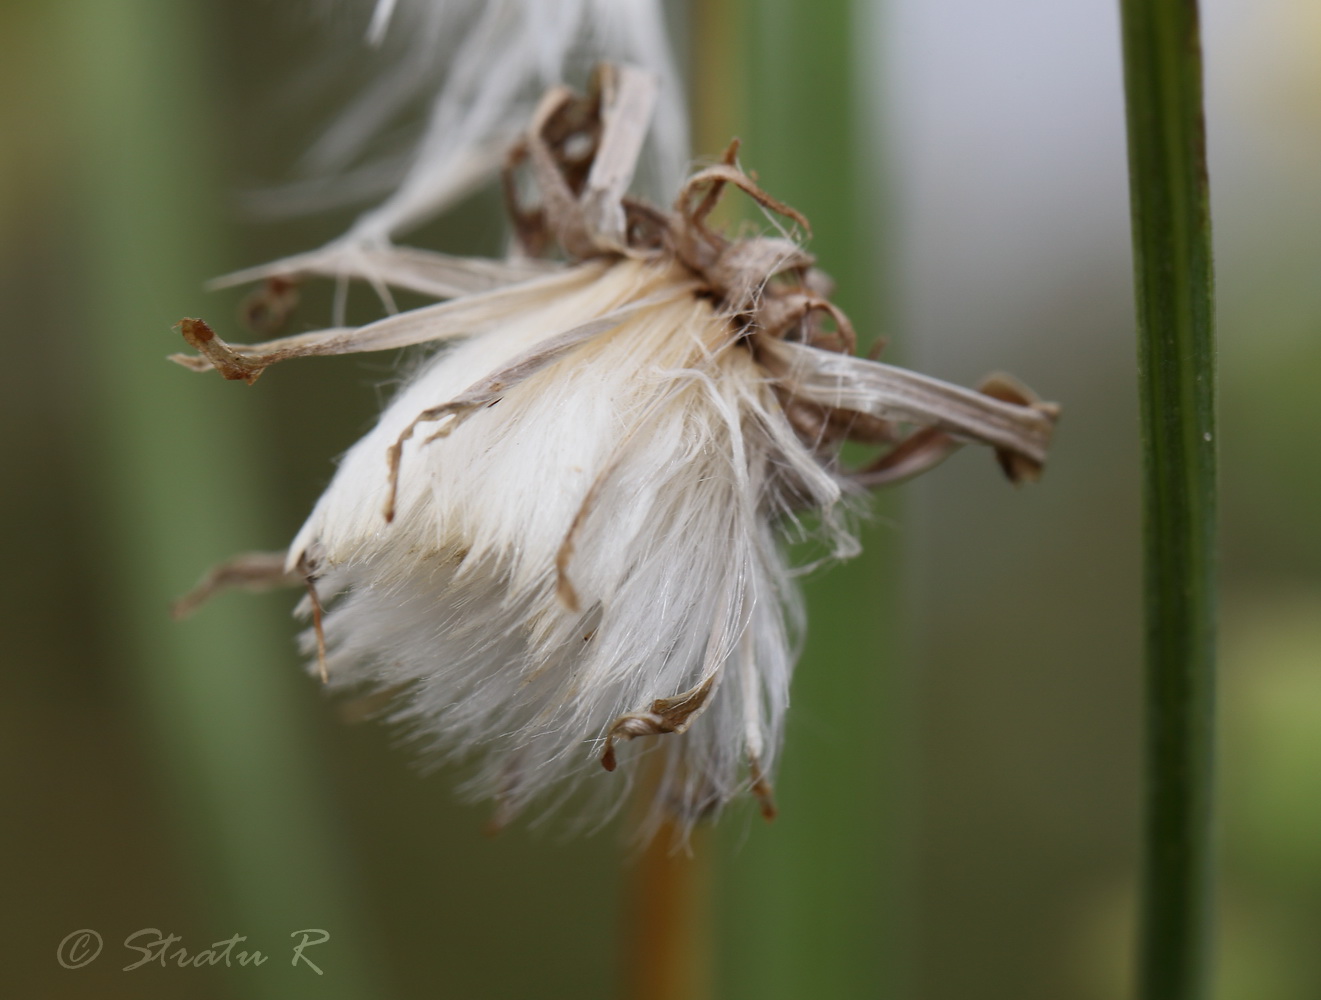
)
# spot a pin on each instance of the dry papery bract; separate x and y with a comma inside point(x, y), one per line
point(564, 533)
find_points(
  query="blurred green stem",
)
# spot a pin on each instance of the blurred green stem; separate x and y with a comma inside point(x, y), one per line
point(177, 483)
point(1176, 357)
point(812, 897)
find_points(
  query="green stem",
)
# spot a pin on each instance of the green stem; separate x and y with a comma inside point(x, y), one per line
point(177, 477)
point(812, 896)
point(1176, 358)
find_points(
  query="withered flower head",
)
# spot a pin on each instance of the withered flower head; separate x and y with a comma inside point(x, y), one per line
point(560, 544)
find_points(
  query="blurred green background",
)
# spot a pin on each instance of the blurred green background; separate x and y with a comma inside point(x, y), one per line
point(960, 784)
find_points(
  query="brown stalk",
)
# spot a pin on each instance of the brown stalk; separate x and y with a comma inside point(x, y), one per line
point(667, 943)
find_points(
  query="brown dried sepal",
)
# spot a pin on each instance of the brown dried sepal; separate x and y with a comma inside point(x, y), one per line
point(580, 152)
point(488, 391)
point(574, 154)
point(825, 427)
point(307, 571)
point(267, 308)
point(395, 453)
point(1018, 468)
point(215, 353)
point(247, 571)
point(667, 715)
point(761, 789)
point(927, 447)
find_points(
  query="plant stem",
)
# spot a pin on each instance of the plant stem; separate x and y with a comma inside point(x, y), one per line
point(668, 954)
point(812, 897)
point(1176, 359)
point(177, 476)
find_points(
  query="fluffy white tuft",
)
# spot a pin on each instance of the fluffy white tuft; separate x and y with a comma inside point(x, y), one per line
point(660, 448)
point(561, 536)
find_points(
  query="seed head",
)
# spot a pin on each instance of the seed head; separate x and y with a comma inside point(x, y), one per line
point(560, 546)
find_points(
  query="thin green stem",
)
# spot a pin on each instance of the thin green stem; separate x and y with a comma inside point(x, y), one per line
point(1176, 357)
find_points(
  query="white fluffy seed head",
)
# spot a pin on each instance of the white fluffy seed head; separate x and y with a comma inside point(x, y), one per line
point(659, 450)
point(558, 547)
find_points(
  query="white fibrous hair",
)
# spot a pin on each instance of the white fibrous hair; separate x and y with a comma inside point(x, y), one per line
point(561, 545)
point(483, 64)
point(652, 449)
